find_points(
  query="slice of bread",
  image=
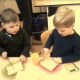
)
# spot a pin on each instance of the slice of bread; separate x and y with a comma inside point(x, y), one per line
point(13, 70)
point(49, 64)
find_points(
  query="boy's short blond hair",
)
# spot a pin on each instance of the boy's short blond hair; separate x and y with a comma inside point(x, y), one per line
point(9, 15)
point(64, 17)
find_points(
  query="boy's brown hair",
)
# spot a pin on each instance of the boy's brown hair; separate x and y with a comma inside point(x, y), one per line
point(64, 17)
point(9, 15)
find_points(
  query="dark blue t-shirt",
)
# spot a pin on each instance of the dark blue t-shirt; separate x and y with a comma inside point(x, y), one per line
point(68, 47)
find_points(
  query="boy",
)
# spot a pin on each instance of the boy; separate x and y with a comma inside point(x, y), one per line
point(64, 38)
point(14, 41)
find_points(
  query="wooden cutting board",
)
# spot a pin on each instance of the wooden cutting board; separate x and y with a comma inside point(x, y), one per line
point(71, 67)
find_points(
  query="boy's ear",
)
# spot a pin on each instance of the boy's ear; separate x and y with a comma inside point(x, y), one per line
point(2, 24)
point(73, 25)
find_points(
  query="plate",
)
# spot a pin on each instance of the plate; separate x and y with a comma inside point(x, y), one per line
point(4, 71)
point(53, 71)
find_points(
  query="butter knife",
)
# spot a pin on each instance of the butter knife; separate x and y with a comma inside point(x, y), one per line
point(10, 62)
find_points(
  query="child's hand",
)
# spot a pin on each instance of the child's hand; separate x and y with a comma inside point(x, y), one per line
point(58, 59)
point(4, 54)
point(23, 58)
point(46, 51)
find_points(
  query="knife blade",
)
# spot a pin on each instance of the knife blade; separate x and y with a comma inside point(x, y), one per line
point(10, 62)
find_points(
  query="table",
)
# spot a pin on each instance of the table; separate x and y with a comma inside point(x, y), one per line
point(40, 74)
point(55, 2)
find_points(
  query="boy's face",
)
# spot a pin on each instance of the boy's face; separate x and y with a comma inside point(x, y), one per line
point(11, 27)
point(65, 31)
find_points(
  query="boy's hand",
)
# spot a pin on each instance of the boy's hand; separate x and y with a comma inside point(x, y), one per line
point(23, 58)
point(4, 54)
point(58, 59)
point(46, 51)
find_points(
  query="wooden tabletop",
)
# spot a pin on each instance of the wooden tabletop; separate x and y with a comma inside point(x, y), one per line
point(55, 2)
point(38, 73)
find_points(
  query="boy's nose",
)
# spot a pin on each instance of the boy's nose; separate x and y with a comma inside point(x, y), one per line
point(60, 33)
point(15, 28)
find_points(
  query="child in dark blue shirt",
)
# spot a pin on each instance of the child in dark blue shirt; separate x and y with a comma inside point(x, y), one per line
point(64, 38)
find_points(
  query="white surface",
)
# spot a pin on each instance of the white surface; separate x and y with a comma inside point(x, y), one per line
point(26, 76)
point(37, 73)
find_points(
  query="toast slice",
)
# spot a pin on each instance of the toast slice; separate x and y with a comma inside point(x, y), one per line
point(49, 64)
point(13, 70)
